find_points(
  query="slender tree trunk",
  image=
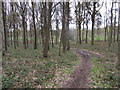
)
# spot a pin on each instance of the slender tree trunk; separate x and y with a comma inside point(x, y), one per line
point(67, 25)
point(87, 32)
point(105, 34)
point(35, 34)
point(17, 35)
point(92, 33)
point(111, 29)
point(79, 23)
point(4, 24)
point(45, 46)
point(11, 37)
point(93, 23)
point(118, 31)
point(83, 22)
point(63, 29)
point(24, 33)
point(119, 45)
point(60, 46)
point(14, 27)
point(114, 28)
point(1, 38)
point(42, 27)
point(14, 34)
point(52, 38)
point(105, 27)
point(77, 30)
point(49, 25)
point(57, 27)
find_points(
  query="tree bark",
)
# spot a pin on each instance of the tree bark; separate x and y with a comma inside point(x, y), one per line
point(114, 29)
point(24, 33)
point(79, 23)
point(47, 21)
point(86, 32)
point(57, 27)
point(35, 34)
point(67, 24)
point(4, 24)
point(14, 27)
point(111, 29)
point(93, 22)
point(119, 46)
point(63, 29)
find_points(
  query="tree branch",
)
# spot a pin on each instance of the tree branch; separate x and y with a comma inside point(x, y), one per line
point(99, 8)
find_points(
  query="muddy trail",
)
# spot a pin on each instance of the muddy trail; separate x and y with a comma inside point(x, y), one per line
point(80, 75)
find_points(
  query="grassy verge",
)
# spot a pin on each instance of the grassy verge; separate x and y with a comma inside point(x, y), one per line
point(27, 68)
point(103, 71)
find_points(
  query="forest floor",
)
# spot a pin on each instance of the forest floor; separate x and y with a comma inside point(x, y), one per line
point(27, 68)
point(97, 66)
point(80, 75)
point(103, 73)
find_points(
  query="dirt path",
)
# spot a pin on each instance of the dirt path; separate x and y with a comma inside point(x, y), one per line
point(80, 75)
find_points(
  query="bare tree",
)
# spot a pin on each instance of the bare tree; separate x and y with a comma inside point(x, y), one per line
point(111, 29)
point(1, 31)
point(93, 11)
point(63, 28)
point(57, 24)
point(4, 23)
point(47, 25)
point(67, 25)
point(35, 34)
point(13, 23)
point(79, 22)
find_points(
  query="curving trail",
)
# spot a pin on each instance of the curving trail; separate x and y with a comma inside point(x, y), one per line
point(80, 75)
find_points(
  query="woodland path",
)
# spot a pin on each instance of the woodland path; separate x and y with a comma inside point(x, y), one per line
point(80, 75)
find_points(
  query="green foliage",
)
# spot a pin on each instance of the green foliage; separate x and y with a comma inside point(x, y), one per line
point(103, 74)
point(103, 71)
point(27, 68)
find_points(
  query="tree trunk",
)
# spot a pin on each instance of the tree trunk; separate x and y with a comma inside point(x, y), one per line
point(1, 35)
point(14, 27)
point(118, 31)
point(83, 22)
point(57, 27)
point(119, 46)
point(77, 30)
point(63, 29)
point(114, 28)
point(93, 22)
point(24, 33)
point(79, 23)
point(11, 37)
point(42, 26)
point(17, 34)
point(45, 46)
point(105, 27)
point(52, 38)
point(47, 25)
point(92, 33)
point(67, 24)
point(87, 32)
point(111, 29)
point(35, 34)
point(4, 24)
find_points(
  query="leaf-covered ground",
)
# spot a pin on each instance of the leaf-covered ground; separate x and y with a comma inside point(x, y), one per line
point(104, 72)
point(27, 68)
